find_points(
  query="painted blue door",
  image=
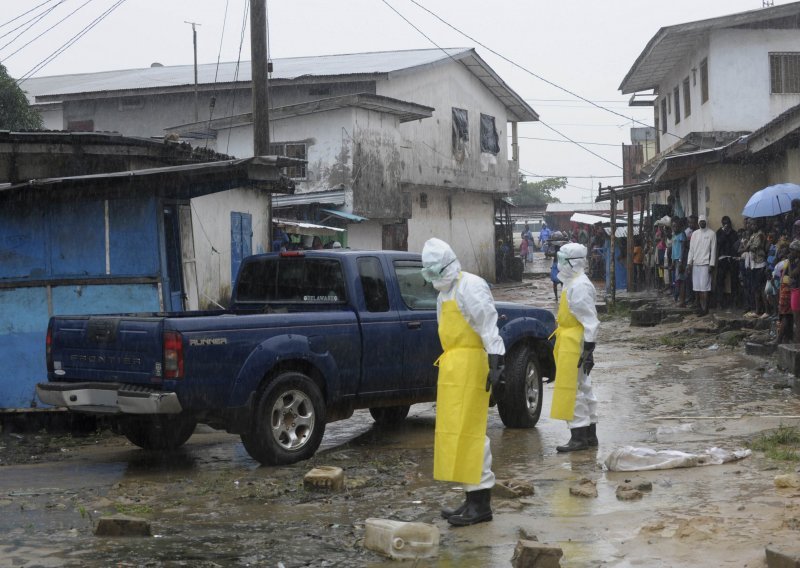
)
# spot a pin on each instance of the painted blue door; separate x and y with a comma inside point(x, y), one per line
point(241, 240)
point(172, 243)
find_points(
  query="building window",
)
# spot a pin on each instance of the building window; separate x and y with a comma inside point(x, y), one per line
point(80, 125)
point(291, 150)
point(703, 81)
point(460, 133)
point(489, 142)
point(676, 98)
point(131, 103)
point(687, 99)
point(423, 200)
point(784, 71)
point(664, 115)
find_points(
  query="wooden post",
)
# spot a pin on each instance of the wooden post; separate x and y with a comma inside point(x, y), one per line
point(612, 264)
point(260, 90)
point(629, 248)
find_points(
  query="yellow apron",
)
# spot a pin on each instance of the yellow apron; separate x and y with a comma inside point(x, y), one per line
point(567, 352)
point(462, 403)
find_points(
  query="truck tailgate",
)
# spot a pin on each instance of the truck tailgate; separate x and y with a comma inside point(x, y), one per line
point(107, 348)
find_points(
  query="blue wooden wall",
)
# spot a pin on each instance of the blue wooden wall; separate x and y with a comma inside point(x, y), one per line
point(59, 244)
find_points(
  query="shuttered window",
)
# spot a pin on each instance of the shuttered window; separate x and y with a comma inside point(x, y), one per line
point(784, 70)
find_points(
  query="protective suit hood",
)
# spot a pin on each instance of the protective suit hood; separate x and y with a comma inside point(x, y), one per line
point(440, 266)
point(571, 261)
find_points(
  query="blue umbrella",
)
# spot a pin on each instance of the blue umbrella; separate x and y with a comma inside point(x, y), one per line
point(772, 200)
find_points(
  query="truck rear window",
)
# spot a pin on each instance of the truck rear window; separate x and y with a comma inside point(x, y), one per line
point(296, 279)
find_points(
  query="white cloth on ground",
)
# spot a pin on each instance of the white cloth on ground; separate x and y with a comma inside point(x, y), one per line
point(630, 458)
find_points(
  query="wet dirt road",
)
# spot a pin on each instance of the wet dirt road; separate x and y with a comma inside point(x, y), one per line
point(211, 505)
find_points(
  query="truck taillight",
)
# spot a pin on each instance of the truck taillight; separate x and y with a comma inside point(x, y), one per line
point(173, 355)
point(49, 347)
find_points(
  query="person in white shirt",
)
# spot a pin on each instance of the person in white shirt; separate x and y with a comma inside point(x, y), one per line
point(701, 261)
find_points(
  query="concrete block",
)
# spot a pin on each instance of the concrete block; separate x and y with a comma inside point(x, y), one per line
point(783, 556)
point(531, 554)
point(645, 317)
point(324, 478)
point(122, 525)
point(789, 358)
point(761, 349)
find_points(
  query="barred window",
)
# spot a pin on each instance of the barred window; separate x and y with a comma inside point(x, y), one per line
point(687, 99)
point(703, 80)
point(291, 150)
point(784, 71)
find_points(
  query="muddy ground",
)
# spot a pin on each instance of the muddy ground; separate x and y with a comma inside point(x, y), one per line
point(675, 386)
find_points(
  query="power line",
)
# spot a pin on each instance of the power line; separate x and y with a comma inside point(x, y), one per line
point(507, 60)
point(567, 141)
point(61, 21)
point(451, 57)
point(69, 43)
point(236, 71)
point(33, 21)
point(531, 174)
point(25, 13)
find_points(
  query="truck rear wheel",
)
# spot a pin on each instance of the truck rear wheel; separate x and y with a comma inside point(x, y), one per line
point(158, 432)
point(289, 421)
point(387, 415)
point(520, 404)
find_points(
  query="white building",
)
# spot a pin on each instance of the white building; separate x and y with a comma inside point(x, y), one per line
point(713, 82)
point(417, 142)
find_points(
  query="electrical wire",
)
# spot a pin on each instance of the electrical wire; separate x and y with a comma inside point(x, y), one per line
point(33, 21)
point(69, 43)
point(213, 103)
point(61, 21)
point(25, 13)
point(236, 72)
point(526, 70)
point(567, 141)
point(451, 57)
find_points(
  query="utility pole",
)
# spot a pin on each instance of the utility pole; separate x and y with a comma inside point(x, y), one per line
point(194, 42)
point(258, 72)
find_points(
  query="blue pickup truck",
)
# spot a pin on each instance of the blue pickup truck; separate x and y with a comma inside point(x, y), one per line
point(309, 337)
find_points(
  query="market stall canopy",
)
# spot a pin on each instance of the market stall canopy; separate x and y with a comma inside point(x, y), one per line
point(587, 219)
point(301, 228)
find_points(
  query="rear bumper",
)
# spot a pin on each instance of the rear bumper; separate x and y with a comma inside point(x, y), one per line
point(108, 398)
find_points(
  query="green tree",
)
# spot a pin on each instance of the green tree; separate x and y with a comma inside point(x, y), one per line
point(15, 112)
point(538, 192)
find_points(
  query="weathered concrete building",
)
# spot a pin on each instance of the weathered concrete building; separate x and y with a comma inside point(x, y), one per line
point(418, 141)
point(712, 83)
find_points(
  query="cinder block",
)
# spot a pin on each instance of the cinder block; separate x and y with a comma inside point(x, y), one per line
point(122, 525)
point(325, 478)
point(645, 317)
point(789, 358)
point(762, 349)
point(783, 556)
point(532, 554)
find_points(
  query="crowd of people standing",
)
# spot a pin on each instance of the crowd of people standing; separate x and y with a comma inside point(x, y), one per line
point(755, 268)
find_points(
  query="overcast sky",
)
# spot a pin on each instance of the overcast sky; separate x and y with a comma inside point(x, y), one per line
point(583, 46)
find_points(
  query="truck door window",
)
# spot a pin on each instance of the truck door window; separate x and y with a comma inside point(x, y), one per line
point(416, 293)
point(376, 297)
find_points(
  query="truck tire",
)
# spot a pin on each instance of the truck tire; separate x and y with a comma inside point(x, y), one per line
point(520, 403)
point(288, 422)
point(388, 415)
point(158, 432)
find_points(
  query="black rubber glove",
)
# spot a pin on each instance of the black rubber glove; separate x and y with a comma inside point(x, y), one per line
point(495, 380)
point(587, 358)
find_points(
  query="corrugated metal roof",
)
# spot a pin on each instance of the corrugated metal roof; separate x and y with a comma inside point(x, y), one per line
point(672, 44)
point(573, 207)
point(181, 77)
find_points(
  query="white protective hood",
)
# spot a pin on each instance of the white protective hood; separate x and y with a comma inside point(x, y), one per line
point(440, 258)
point(571, 261)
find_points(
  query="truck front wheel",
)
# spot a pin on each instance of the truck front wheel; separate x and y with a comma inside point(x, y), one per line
point(520, 404)
point(158, 432)
point(289, 421)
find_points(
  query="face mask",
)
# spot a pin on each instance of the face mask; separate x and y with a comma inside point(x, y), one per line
point(434, 272)
point(564, 260)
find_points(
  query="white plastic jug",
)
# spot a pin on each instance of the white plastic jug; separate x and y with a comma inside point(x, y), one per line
point(398, 539)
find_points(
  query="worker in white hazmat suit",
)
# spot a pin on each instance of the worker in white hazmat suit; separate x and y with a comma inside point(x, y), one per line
point(472, 362)
point(576, 334)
